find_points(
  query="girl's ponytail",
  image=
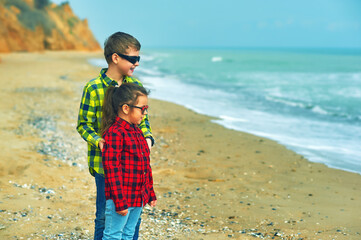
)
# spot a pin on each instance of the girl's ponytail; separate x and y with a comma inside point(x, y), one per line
point(109, 110)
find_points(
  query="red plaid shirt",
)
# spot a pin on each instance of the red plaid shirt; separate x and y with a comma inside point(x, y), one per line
point(128, 175)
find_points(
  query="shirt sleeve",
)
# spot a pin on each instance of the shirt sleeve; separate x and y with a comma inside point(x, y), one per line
point(146, 129)
point(113, 168)
point(87, 117)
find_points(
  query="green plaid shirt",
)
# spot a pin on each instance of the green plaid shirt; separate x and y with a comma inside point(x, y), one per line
point(90, 114)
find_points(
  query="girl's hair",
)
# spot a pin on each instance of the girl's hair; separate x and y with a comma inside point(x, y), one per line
point(119, 42)
point(115, 97)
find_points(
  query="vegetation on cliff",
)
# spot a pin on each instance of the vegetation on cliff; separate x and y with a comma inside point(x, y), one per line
point(36, 25)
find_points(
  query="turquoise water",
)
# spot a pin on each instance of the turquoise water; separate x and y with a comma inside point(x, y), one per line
point(307, 100)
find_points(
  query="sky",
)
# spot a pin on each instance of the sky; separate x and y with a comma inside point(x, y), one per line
point(227, 23)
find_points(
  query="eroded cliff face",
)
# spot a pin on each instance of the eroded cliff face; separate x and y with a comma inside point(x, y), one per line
point(37, 25)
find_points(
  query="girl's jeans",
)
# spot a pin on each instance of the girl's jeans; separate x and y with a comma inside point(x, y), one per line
point(118, 226)
point(100, 209)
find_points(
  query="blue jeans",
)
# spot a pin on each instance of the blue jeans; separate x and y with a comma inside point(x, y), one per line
point(118, 226)
point(136, 233)
point(100, 207)
point(100, 210)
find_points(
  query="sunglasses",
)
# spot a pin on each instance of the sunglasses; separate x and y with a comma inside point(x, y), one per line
point(131, 59)
point(145, 107)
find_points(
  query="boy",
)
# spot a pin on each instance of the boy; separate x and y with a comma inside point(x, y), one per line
point(121, 52)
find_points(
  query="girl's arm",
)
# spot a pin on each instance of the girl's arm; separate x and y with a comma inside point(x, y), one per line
point(112, 168)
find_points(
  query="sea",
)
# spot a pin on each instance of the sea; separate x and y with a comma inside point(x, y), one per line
point(308, 100)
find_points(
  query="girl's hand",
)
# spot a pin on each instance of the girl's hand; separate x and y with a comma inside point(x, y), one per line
point(153, 203)
point(123, 212)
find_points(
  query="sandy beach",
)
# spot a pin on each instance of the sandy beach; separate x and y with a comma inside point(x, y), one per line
point(211, 182)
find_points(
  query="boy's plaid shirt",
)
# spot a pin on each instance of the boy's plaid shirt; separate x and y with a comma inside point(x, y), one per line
point(128, 175)
point(90, 114)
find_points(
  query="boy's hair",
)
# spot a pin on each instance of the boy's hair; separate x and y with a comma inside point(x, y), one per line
point(115, 98)
point(119, 42)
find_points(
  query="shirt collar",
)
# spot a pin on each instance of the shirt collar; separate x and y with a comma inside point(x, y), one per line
point(124, 123)
point(108, 81)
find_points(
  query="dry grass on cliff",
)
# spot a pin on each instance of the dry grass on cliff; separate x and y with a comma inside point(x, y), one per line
point(37, 25)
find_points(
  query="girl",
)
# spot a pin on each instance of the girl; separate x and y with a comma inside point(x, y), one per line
point(125, 157)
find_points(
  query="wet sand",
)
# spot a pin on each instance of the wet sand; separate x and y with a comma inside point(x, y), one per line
point(211, 182)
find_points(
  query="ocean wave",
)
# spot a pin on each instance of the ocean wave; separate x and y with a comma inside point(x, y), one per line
point(286, 102)
point(232, 119)
point(317, 109)
point(148, 71)
point(350, 92)
point(147, 58)
point(217, 59)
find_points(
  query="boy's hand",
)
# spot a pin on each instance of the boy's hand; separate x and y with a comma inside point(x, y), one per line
point(149, 143)
point(101, 144)
point(123, 212)
point(153, 203)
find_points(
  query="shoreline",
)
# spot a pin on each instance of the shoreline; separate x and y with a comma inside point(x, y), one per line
point(214, 119)
point(211, 182)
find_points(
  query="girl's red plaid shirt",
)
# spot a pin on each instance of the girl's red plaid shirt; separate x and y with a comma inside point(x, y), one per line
point(125, 158)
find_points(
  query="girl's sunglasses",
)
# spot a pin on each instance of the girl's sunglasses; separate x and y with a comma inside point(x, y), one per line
point(145, 107)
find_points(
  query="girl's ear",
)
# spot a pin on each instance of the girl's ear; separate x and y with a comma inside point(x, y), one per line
point(125, 108)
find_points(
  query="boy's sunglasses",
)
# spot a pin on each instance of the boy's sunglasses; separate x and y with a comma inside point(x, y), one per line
point(145, 107)
point(131, 59)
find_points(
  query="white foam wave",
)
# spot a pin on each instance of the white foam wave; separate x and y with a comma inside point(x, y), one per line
point(217, 59)
point(146, 58)
point(147, 71)
point(288, 103)
point(232, 119)
point(319, 110)
point(349, 92)
point(316, 109)
point(356, 76)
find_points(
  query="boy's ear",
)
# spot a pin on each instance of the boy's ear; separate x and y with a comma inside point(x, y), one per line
point(115, 58)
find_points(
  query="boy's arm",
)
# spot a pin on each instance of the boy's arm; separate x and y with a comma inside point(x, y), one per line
point(147, 130)
point(87, 117)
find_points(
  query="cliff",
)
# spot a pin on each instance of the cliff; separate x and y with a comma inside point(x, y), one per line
point(37, 25)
